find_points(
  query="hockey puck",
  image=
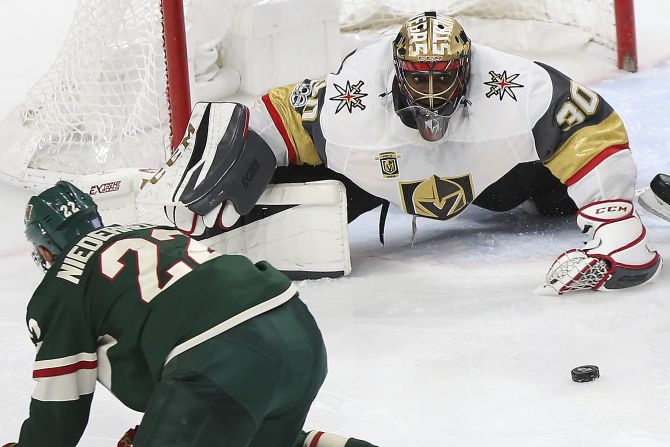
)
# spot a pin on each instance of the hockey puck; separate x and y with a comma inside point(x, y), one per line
point(586, 373)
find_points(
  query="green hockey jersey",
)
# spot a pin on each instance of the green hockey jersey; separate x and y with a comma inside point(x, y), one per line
point(117, 305)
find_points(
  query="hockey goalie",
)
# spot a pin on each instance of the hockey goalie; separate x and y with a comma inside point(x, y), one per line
point(429, 122)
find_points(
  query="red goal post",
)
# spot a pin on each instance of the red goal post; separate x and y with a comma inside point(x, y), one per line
point(178, 87)
point(626, 37)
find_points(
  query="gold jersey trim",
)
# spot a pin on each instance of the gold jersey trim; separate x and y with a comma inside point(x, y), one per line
point(585, 144)
point(305, 150)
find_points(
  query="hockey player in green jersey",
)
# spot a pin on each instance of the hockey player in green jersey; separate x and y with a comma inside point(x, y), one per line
point(213, 349)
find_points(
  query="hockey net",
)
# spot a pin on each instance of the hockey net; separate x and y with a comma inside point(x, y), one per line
point(104, 103)
point(525, 27)
point(595, 17)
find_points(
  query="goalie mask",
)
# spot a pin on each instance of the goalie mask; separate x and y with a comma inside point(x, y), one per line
point(58, 217)
point(432, 63)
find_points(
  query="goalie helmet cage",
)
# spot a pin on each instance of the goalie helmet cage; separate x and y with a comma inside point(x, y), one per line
point(118, 94)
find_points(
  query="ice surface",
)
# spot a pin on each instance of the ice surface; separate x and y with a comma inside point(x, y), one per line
point(440, 342)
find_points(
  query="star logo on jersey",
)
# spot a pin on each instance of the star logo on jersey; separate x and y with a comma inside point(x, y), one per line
point(389, 164)
point(350, 97)
point(502, 84)
point(439, 198)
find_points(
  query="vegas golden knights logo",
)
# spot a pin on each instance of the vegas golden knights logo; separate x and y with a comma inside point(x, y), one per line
point(389, 164)
point(437, 197)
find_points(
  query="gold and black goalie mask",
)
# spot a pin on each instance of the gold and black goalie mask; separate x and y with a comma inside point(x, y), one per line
point(432, 62)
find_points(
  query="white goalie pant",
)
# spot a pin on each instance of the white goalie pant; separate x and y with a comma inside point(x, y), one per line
point(306, 239)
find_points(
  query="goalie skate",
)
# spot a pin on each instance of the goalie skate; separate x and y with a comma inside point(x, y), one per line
point(656, 198)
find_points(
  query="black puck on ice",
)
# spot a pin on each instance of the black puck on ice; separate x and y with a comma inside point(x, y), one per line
point(586, 373)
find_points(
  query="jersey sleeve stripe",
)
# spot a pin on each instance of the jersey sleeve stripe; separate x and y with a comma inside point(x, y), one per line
point(64, 370)
point(64, 361)
point(280, 127)
point(585, 145)
point(315, 440)
point(289, 123)
point(595, 161)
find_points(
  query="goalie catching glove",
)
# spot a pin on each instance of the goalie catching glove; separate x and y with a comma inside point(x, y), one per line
point(616, 257)
point(218, 172)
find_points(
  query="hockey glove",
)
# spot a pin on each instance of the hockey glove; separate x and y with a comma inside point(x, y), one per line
point(218, 172)
point(128, 438)
point(616, 257)
point(11, 444)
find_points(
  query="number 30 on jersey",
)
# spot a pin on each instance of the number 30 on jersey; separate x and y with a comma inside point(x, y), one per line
point(582, 103)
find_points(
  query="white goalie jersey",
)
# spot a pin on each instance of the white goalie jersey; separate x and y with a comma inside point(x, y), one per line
point(515, 111)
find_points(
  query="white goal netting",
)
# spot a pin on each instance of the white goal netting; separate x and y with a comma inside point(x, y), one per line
point(594, 16)
point(103, 103)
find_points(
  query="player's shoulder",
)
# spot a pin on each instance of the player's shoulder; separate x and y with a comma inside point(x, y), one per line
point(358, 104)
point(506, 87)
point(47, 298)
point(74, 264)
point(496, 74)
point(242, 279)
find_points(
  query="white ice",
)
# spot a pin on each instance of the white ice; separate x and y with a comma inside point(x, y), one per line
point(436, 343)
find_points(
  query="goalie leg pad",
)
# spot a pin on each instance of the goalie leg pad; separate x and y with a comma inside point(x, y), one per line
point(300, 228)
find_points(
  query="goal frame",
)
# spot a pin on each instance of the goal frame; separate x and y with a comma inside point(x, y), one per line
point(624, 19)
point(176, 59)
point(178, 90)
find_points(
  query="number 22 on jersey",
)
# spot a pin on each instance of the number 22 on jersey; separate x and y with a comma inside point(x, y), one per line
point(148, 275)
